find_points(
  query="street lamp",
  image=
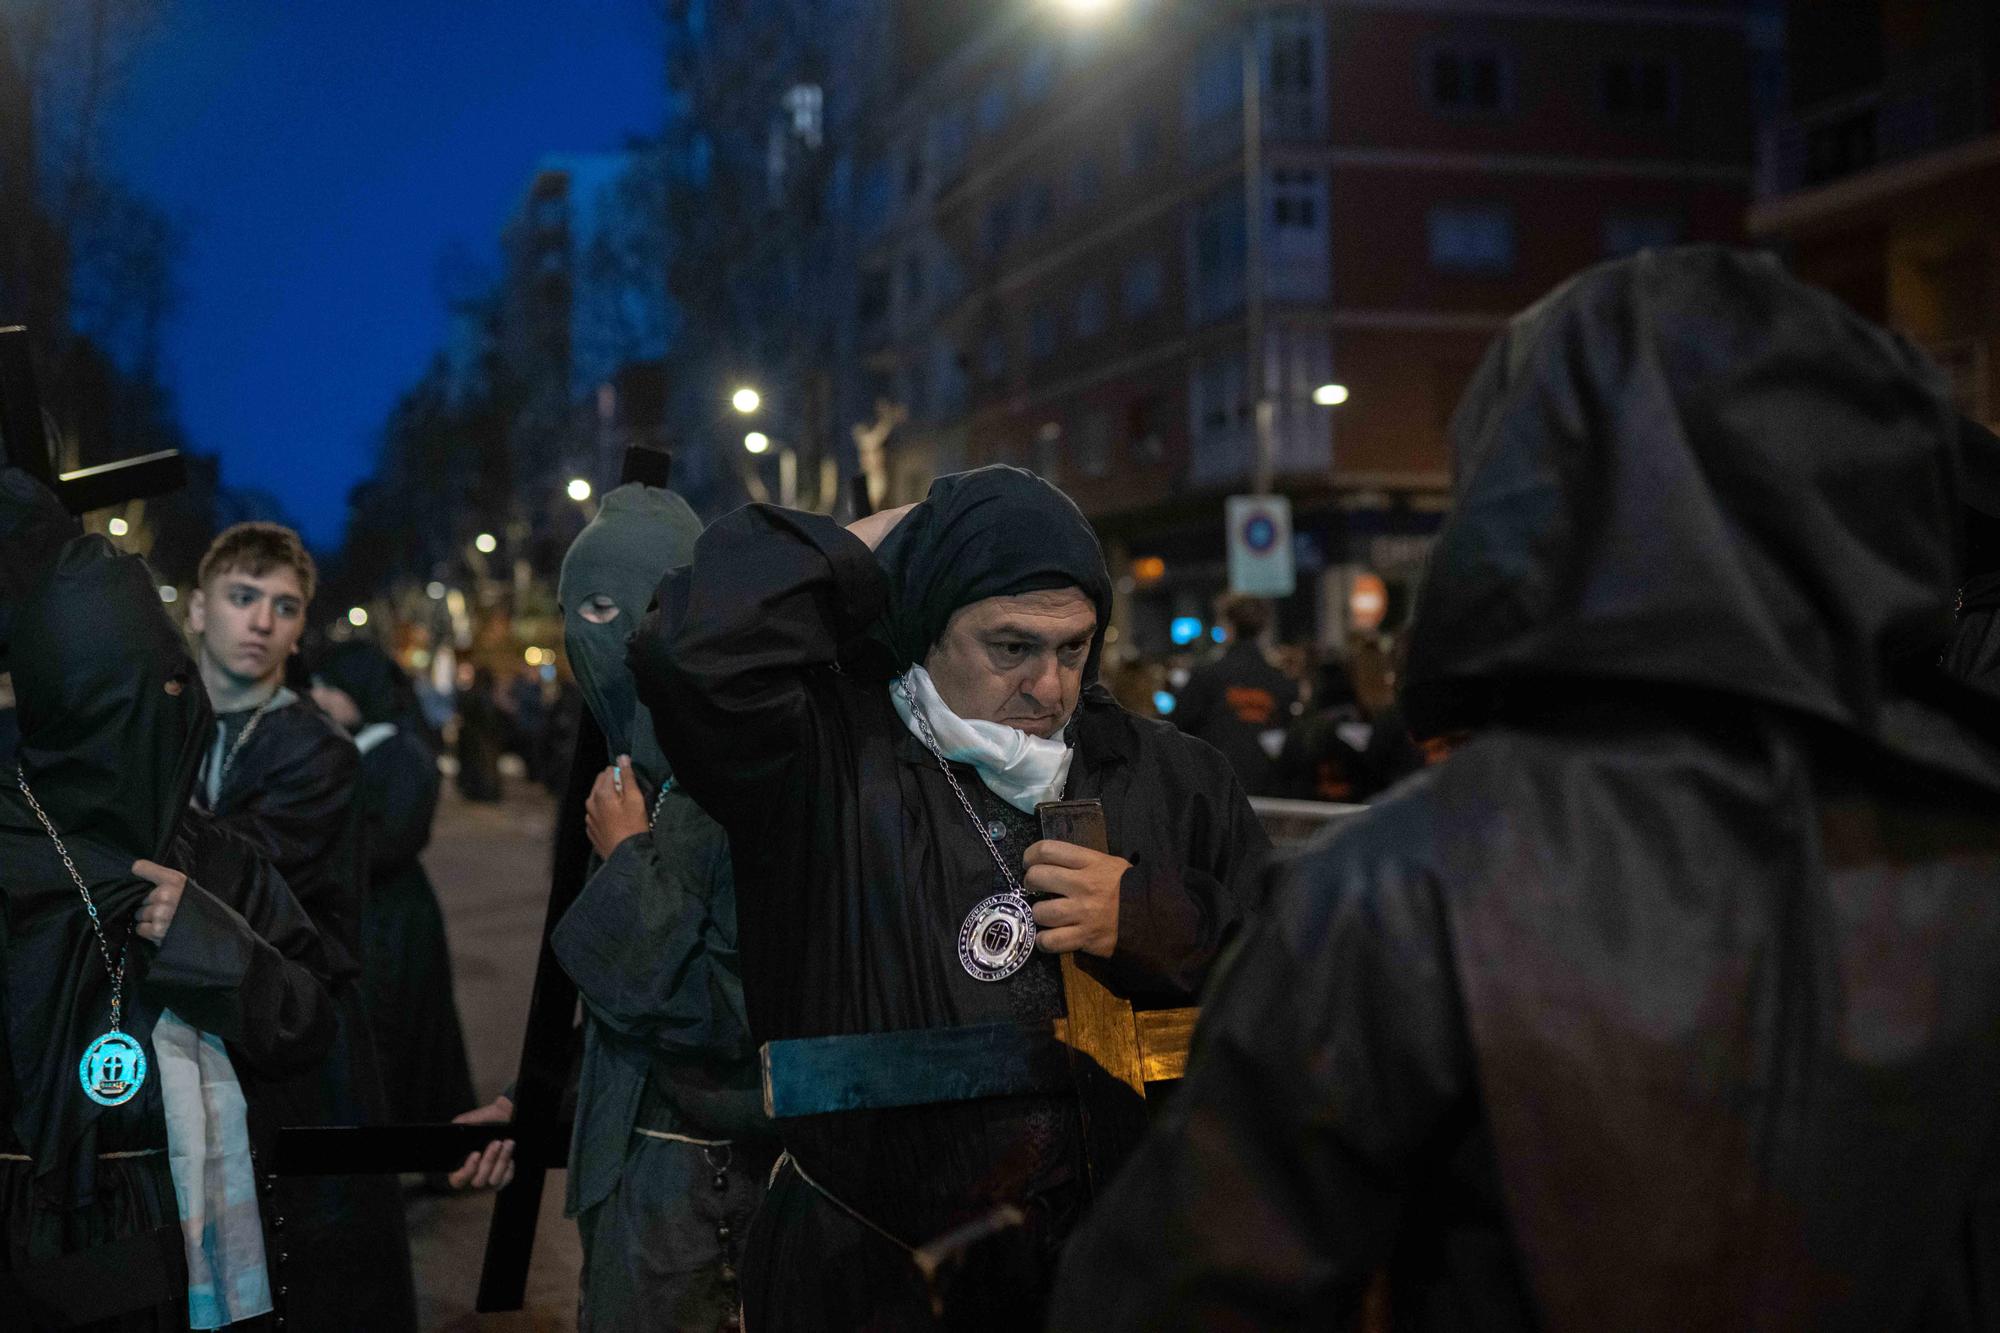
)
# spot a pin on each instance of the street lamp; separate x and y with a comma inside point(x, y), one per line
point(1330, 395)
point(436, 591)
point(357, 616)
point(756, 442)
point(746, 400)
point(118, 527)
point(1086, 8)
point(486, 543)
point(579, 489)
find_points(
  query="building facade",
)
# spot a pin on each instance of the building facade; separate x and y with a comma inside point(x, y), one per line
point(1064, 275)
point(1881, 181)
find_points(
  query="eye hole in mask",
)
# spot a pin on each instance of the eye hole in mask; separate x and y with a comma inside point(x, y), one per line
point(598, 609)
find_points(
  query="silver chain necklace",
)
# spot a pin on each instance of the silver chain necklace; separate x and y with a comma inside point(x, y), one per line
point(113, 1067)
point(236, 746)
point(998, 936)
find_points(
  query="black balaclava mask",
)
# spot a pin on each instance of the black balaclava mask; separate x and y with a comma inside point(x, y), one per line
point(640, 533)
point(993, 532)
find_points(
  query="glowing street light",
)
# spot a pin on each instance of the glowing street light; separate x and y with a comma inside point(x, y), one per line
point(756, 442)
point(436, 591)
point(169, 593)
point(118, 527)
point(579, 489)
point(357, 616)
point(746, 400)
point(486, 543)
point(1330, 395)
point(1086, 8)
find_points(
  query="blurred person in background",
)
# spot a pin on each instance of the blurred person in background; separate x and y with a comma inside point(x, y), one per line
point(1324, 758)
point(482, 730)
point(1238, 702)
point(405, 964)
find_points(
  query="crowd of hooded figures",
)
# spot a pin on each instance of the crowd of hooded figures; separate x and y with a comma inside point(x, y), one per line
point(1666, 999)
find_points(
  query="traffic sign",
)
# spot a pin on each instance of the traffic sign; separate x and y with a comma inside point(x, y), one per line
point(1260, 545)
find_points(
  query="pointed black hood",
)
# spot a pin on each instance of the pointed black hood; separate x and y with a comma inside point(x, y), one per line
point(1688, 469)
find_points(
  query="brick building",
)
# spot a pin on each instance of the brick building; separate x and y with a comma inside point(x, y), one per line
point(1881, 182)
point(1060, 272)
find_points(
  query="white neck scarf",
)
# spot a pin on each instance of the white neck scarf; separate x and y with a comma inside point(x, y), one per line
point(1020, 769)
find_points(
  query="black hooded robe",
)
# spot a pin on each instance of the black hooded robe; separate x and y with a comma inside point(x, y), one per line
point(1669, 1001)
point(405, 960)
point(113, 719)
point(291, 792)
point(855, 867)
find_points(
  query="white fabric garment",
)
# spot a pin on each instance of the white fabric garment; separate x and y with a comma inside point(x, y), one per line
point(1020, 769)
point(373, 735)
point(208, 1151)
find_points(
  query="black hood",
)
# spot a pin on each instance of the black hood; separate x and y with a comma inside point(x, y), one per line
point(1688, 469)
point(993, 532)
point(364, 673)
point(113, 715)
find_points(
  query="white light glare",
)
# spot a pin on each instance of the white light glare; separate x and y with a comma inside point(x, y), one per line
point(1330, 395)
point(435, 591)
point(746, 400)
point(357, 616)
point(486, 543)
point(118, 527)
point(756, 442)
point(579, 489)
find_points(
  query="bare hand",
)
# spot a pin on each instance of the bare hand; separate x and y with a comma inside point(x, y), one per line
point(492, 1168)
point(1084, 913)
point(616, 809)
point(157, 912)
point(877, 526)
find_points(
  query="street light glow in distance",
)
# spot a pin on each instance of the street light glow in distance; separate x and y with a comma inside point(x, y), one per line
point(1086, 8)
point(746, 400)
point(486, 543)
point(579, 489)
point(357, 616)
point(756, 442)
point(436, 591)
point(1330, 395)
point(118, 527)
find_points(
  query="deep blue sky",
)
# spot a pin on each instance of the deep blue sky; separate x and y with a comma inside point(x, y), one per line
point(318, 159)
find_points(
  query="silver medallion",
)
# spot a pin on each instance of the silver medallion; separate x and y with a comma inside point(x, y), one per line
point(113, 1069)
point(998, 937)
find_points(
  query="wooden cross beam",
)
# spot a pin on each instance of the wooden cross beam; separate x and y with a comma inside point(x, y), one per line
point(24, 443)
point(548, 1048)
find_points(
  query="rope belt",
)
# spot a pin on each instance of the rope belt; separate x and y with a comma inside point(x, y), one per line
point(682, 1138)
point(786, 1159)
point(102, 1157)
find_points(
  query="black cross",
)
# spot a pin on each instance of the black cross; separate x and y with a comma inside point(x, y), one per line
point(24, 443)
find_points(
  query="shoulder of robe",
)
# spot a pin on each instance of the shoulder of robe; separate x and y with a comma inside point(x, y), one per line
point(1382, 868)
point(303, 739)
point(1152, 741)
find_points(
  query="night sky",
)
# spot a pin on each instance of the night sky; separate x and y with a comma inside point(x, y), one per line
point(319, 159)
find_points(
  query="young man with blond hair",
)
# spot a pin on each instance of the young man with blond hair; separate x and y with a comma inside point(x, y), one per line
point(281, 774)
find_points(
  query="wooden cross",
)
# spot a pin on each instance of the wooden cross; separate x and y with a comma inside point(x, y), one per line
point(25, 444)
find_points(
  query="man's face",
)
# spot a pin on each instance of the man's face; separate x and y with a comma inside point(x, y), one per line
point(1016, 660)
point(249, 623)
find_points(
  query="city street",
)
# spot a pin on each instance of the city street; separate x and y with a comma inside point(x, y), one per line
point(490, 864)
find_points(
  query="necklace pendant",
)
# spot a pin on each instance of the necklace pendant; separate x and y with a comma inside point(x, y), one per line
point(113, 1069)
point(998, 938)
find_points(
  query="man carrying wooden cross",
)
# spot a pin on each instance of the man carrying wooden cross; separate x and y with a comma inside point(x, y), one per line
point(873, 714)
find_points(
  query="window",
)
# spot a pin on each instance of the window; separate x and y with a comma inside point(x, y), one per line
point(805, 104)
point(1092, 310)
point(1629, 233)
point(1294, 77)
point(1146, 427)
point(1044, 332)
point(1215, 84)
point(996, 229)
point(1037, 207)
point(1086, 182)
point(1644, 89)
point(993, 355)
point(1295, 200)
point(1220, 255)
point(1144, 279)
point(1473, 239)
point(1093, 445)
point(1477, 80)
point(1038, 73)
point(1142, 143)
point(992, 112)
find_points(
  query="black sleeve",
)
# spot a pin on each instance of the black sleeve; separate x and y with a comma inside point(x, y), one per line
point(1195, 703)
point(725, 663)
point(253, 974)
point(1175, 916)
point(303, 815)
point(1331, 1054)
